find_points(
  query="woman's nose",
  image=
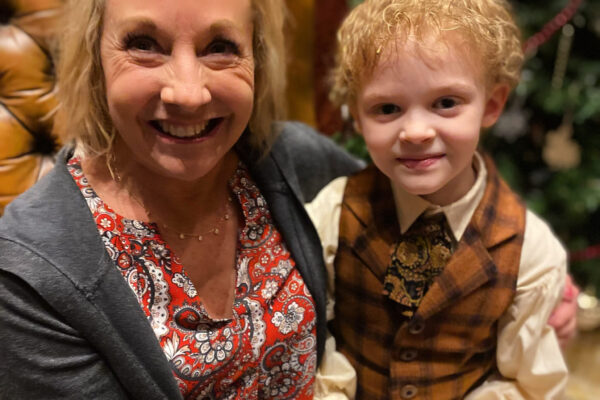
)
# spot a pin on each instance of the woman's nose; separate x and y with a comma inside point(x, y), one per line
point(186, 85)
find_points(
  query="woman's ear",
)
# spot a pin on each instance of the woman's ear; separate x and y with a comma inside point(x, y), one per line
point(495, 104)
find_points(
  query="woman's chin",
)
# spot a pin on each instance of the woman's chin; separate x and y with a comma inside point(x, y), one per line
point(192, 169)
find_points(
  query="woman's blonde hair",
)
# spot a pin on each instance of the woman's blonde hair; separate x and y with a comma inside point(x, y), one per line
point(366, 34)
point(84, 116)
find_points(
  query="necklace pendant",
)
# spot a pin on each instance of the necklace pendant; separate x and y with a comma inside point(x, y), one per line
point(182, 236)
point(200, 238)
point(216, 231)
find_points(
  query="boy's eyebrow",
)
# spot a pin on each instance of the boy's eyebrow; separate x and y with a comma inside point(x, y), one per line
point(456, 87)
point(375, 97)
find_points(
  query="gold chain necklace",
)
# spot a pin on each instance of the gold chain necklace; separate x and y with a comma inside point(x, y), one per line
point(114, 173)
point(200, 236)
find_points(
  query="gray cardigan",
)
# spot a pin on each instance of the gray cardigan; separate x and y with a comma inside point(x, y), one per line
point(70, 327)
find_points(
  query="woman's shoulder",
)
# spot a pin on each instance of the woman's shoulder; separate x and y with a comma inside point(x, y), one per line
point(50, 219)
point(314, 158)
point(36, 206)
point(305, 140)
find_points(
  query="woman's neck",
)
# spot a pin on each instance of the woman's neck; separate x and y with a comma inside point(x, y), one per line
point(138, 193)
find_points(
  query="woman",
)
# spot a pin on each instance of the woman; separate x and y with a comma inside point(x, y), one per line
point(168, 255)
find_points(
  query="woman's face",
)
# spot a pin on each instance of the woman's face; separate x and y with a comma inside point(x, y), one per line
point(179, 81)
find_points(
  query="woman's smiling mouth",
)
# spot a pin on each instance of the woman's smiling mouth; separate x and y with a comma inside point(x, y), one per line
point(185, 131)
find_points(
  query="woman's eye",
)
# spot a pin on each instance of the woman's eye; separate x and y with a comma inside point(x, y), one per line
point(446, 102)
point(223, 46)
point(388, 109)
point(140, 43)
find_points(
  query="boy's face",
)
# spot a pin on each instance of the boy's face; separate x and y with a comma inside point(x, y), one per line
point(421, 113)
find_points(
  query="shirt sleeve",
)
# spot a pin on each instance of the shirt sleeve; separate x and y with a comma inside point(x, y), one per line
point(336, 378)
point(529, 358)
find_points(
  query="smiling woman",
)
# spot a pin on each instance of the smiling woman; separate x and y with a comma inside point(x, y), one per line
point(179, 84)
point(168, 255)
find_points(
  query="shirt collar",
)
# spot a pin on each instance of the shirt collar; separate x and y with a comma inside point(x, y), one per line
point(458, 214)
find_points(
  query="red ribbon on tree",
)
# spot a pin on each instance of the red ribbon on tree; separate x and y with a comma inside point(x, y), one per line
point(589, 253)
point(551, 27)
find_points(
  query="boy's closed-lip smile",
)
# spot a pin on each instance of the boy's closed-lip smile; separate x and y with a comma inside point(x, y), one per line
point(420, 162)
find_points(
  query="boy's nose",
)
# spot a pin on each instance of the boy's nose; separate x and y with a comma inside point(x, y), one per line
point(416, 130)
point(416, 135)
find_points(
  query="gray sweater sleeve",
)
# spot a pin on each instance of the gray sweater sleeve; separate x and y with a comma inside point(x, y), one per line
point(317, 159)
point(43, 357)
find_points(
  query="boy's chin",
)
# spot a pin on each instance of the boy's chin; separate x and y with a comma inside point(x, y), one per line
point(419, 189)
point(434, 194)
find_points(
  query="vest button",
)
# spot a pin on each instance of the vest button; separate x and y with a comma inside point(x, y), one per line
point(416, 328)
point(408, 355)
point(408, 391)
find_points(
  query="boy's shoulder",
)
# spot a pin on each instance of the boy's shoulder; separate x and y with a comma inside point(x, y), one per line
point(541, 248)
point(498, 197)
point(498, 193)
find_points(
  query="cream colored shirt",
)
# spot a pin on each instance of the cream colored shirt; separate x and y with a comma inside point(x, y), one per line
point(528, 355)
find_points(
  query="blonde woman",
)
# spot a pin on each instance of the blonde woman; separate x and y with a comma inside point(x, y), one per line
point(168, 255)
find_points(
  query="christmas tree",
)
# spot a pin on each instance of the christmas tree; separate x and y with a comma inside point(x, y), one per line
point(546, 144)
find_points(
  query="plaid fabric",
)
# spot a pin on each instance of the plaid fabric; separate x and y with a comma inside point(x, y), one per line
point(448, 347)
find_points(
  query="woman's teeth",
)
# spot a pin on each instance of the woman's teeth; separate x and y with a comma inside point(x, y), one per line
point(182, 131)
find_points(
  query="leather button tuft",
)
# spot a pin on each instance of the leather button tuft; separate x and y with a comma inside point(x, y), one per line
point(408, 391)
point(408, 355)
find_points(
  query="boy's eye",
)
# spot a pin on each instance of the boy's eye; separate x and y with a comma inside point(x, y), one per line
point(387, 109)
point(446, 102)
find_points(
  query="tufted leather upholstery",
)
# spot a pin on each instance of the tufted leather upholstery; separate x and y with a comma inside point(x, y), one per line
point(27, 93)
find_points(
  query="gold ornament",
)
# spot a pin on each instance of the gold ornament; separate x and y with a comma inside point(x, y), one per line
point(560, 150)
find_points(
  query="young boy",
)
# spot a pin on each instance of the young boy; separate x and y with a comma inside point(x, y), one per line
point(443, 280)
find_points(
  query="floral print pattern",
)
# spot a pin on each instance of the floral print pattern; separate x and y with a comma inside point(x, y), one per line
point(267, 350)
point(289, 321)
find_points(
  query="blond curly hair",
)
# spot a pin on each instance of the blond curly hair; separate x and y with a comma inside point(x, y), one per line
point(83, 114)
point(365, 35)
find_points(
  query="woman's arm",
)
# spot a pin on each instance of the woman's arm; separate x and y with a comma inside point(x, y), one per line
point(43, 357)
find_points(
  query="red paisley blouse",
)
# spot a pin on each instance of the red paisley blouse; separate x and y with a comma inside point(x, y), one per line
point(266, 351)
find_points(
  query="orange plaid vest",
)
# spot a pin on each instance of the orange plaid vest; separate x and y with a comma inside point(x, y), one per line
point(448, 347)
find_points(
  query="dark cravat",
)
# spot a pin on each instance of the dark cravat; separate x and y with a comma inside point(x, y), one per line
point(417, 258)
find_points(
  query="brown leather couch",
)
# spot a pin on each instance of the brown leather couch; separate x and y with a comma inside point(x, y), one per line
point(27, 93)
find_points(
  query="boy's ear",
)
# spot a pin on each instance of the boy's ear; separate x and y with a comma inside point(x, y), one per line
point(355, 120)
point(494, 105)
